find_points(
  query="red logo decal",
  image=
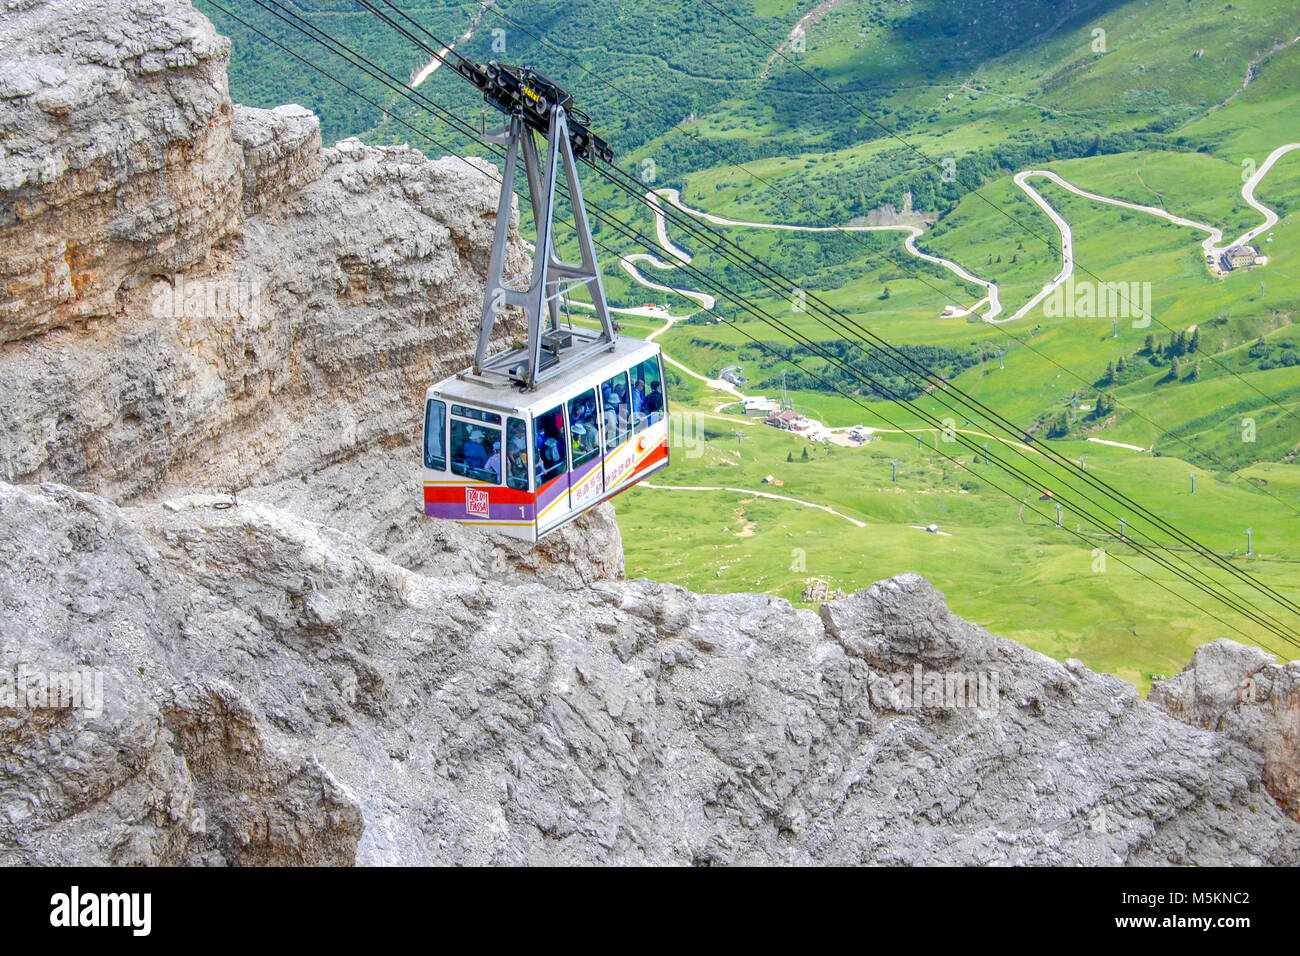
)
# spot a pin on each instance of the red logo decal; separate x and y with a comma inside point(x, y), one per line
point(640, 445)
point(476, 502)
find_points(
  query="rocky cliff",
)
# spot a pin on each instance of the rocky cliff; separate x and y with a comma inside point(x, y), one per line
point(197, 297)
point(1246, 694)
point(276, 691)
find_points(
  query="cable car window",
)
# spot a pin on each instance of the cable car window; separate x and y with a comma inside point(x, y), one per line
point(517, 454)
point(476, 413)
point(475, 451)
point(617, 410)
point(435, 435)
point(551, 450)
point(647, 393)
point(584, 427)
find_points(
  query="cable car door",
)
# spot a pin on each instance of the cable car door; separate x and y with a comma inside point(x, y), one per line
point(551, 463)
point(616, 415)
point(586, 477)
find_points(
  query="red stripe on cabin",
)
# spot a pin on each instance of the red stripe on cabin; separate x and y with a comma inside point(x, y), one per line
point(450, 494)
point(652, 459)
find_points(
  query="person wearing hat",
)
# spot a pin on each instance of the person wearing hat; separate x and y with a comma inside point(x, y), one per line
point(475, 454)
point(494, 463)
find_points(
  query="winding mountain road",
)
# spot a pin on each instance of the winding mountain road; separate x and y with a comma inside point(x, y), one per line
point(1213, 246)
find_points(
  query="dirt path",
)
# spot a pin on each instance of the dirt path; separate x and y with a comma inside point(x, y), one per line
point(807, 20)
point(1213, 246)
point(913, 233)
point(757, 494)
point(436, 62)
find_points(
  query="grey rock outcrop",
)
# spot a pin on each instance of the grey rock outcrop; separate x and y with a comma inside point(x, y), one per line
point(1246, 694)
point(117, 156)
point(288, 695)
point(194, 294)
point(281, 149)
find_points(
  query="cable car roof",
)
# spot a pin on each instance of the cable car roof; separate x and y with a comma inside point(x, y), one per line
point(508, 398)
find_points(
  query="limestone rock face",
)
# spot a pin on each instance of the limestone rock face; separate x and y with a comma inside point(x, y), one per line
point(306, 338)
point(281, 149)
point(281, 693)
point(157, 770)
point(195, 294)
point(1246, 694)
point(117, 157)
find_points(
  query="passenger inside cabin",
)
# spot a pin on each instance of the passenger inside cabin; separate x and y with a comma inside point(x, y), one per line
point(584, 440)
point(638, 399)
point(517, 455)
point(494, 463)
point(550, 445)
point(612, 428)
point(654, 401)
point(476, 455)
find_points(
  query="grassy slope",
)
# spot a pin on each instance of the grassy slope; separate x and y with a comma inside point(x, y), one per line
point(1130, 626)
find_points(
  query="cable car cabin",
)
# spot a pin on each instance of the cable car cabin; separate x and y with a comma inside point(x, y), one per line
point(526, 462)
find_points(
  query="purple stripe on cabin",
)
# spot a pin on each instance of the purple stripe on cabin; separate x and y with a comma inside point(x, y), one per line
point(456, 509)
point(558, 487)
point(584, 470)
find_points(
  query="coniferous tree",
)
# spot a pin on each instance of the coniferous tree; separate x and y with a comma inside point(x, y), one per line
point(1058, 426)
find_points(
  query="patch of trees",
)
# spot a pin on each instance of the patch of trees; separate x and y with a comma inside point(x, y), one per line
point(1266, 356)
point(889, 376)
point(1105, 406)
